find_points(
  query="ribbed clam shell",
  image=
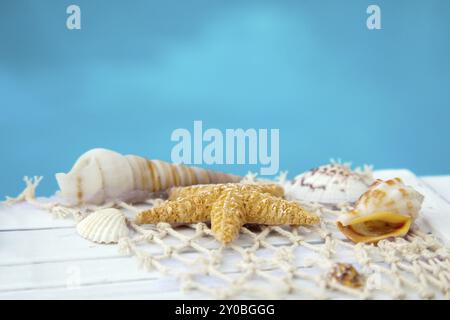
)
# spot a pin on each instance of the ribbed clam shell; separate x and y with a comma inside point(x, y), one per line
point(330, 184)
point(104, 226)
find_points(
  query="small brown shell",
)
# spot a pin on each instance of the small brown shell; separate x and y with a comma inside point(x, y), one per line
point(346, 274)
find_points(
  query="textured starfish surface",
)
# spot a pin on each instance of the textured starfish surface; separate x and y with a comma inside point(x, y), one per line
point(228, 207)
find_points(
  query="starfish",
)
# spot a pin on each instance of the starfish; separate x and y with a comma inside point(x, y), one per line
point(228, 207)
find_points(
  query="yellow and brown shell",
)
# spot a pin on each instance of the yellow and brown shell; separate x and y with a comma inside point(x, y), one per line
point(386, 210)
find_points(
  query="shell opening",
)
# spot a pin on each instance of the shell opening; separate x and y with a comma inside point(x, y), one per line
point(375, 227)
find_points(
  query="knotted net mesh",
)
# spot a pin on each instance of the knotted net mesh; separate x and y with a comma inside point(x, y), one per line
point(277, 262)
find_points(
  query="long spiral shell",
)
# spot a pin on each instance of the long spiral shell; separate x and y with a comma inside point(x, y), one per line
point(100, 175)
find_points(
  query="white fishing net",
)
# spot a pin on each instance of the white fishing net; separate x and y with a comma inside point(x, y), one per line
point(277, 262)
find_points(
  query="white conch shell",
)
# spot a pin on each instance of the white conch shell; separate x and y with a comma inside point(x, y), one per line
point(100, 175)
point(386, 210)
point(104, 226)
point(331, 184)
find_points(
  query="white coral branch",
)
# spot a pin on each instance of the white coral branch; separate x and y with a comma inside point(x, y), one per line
point(29, 193)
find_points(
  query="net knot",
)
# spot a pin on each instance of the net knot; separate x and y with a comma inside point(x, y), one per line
point(125, 246)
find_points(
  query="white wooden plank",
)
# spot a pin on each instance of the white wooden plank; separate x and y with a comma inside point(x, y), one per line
point(26, 216)
point(54, 278)
point(440, 184)
point(70, 273)
point(120, 269)
point(37, 246)
point(166, 288)
point(139, 289)
point(162, 288)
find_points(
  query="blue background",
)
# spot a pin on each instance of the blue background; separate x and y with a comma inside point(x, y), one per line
point(137, 70)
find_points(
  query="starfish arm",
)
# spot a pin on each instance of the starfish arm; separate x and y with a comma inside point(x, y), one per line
point(212, 192)
point(227, 217)
point(187, 210)
point(270, 188)
point(267, 209)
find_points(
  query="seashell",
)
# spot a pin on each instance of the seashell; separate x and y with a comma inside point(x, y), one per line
point(103, 226)
point(100, 175)
point(347, 275)
point(331, 184)
point(386, 210)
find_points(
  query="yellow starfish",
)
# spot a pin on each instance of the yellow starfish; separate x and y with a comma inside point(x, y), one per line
point(228, 206)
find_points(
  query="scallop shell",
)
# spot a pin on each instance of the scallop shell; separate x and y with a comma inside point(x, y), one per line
point(104, 226)
point(100, 175)
point(331, 184)
point(386, 210)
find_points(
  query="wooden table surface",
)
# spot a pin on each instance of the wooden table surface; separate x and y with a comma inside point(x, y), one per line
point(44, 258)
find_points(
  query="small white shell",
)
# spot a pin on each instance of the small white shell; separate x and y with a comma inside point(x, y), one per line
point(104, 226)
point(331, 184)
